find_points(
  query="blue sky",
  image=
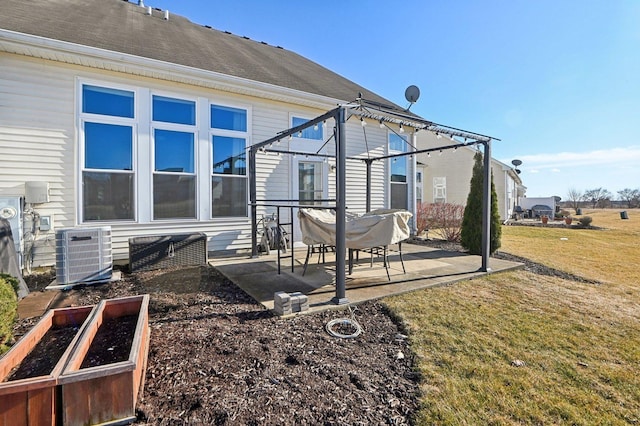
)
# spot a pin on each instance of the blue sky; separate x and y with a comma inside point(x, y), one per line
point(557, 81)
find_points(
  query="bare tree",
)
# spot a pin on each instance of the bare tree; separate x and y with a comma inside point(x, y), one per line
point(574, 196)
point(599, 197)
point(630, 196)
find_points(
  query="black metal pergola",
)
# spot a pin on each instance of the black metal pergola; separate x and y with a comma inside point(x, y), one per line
point(387, 115)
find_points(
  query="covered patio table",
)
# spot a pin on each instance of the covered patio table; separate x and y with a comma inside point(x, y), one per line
point(369, 231)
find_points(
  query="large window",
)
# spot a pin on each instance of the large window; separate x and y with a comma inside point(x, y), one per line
point(108, 173)
point(150, 156)
point(228, 167)
point(174, 153)
point(398, 173)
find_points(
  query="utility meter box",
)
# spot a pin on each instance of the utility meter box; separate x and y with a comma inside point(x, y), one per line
point(36, 192)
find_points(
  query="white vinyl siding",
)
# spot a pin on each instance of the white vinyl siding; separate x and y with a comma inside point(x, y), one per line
point(40, 136)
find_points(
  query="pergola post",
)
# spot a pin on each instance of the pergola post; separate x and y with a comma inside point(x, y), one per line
point(252, 198)
point(486, 208)
point(341, 209)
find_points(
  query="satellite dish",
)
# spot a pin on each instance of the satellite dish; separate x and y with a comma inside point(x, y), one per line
point(412, 94)
point(518, 171)
point(516, 162)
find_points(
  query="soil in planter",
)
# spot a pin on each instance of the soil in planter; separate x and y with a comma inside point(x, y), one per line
point(112, 342)
point(46, 354)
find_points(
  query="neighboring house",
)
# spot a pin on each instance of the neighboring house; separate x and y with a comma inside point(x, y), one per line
point(445, 177)
point(121, 115)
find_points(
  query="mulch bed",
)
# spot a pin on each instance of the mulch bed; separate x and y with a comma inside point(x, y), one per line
point(218, 357)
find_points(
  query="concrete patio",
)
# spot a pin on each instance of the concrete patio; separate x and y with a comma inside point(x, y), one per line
point(425, 267)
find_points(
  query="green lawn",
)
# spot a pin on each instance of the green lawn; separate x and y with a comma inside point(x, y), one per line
point(580, 343)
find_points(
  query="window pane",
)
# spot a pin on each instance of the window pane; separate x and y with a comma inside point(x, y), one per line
point(398, 169)
point(397, 143)
point(228, 118)
point(399, 196)
point(174, 151)
point(229, 156)
point(309, 182)
point(108, 146)
point(313, 132)
point(172, 110)
point(228, 196)
point(174, 197)
point(107, 101)
point(107, 196)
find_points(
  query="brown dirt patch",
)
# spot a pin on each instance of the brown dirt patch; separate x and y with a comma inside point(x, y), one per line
point(218, 357)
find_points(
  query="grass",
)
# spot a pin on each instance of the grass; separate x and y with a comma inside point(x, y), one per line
point(8, 311)
point(580, 343)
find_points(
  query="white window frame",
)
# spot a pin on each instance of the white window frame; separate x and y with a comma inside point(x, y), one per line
point(143, 131)
point(185, 128)
point(246, 135)
point(82, 118)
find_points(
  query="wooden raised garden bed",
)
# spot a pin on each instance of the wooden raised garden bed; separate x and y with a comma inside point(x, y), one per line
point(105, 373)
point(29, 370)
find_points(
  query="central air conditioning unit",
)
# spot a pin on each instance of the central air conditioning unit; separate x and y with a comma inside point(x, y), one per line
point(83, 255)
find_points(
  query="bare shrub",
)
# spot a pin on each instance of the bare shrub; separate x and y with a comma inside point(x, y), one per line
point(445, 218)
point(585, 221)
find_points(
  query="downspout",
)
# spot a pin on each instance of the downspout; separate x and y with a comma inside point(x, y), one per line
point(341, 210)
point(486, 208)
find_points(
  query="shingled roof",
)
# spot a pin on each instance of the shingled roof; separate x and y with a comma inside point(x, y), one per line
point(125, 27)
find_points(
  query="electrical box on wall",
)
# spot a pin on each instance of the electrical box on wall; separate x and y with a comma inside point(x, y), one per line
point(36, 192)
point(45, 223)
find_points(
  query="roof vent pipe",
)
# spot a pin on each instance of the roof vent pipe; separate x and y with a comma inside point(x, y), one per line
point(166, 15)
point(148, 10)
